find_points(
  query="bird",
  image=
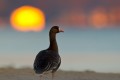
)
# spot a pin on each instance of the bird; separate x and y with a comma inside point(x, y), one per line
point(48, 60)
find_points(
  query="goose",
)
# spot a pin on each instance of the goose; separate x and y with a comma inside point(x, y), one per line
point(48, 60)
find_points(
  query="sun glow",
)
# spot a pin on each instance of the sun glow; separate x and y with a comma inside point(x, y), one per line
point(99, 18)
point(27, 18)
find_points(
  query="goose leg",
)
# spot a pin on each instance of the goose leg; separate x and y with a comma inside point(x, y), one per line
point(46, 77)
point(53, 76)
point(41, 77)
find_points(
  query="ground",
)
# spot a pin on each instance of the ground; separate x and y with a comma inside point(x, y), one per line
point(28, 74)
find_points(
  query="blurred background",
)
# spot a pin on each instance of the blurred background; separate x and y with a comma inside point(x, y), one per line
point(91, 40)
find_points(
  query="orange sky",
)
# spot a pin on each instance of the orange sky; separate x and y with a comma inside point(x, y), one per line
point(90, 13)
point(99, 17)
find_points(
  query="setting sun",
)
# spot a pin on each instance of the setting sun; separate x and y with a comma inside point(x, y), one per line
point(27, 18)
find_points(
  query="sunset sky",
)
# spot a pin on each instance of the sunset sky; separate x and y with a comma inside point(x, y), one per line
point(91, 40)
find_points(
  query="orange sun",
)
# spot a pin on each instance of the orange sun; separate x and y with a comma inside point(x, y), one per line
point(27, 18)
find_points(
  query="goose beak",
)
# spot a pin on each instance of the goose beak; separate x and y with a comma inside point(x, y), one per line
point(60, 30)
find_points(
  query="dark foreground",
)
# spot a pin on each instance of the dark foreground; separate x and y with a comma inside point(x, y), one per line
point(28, 74)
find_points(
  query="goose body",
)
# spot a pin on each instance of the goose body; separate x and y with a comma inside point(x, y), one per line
point(48, 60)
